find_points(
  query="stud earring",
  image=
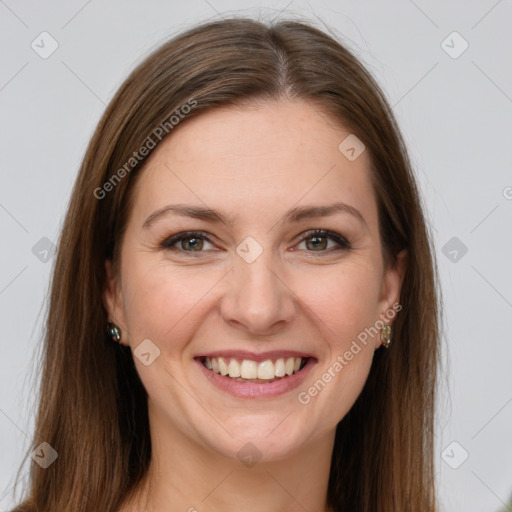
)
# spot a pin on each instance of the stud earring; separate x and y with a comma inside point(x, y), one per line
point(114, 332)
point(385, 336)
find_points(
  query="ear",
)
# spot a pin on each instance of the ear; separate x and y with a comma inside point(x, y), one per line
point(112, 300)
point(390, 291)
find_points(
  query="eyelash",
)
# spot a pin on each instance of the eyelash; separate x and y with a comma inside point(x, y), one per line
point(343, 243)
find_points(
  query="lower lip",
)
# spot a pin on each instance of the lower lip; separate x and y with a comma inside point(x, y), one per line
point(254, 390)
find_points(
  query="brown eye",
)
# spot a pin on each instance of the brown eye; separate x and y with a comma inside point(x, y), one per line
point(318, 241)
point(193, 243)
point(189, 242)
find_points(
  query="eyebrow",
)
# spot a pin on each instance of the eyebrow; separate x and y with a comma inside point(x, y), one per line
point(294, 215)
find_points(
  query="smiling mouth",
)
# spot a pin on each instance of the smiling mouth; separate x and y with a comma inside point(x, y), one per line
point(250, 371)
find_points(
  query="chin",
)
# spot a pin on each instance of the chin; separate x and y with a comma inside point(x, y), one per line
point(259, 438)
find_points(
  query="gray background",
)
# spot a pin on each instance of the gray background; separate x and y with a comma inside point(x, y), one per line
point(455, 114)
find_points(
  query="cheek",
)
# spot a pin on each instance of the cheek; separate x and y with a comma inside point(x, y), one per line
point(343, 305)
point(160, 298)
point(343, 298)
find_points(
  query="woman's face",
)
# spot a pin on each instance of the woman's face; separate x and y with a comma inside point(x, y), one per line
point(252, 290)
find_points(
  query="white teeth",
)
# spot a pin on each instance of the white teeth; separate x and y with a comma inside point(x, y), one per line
point(234, 368)
point(223, 367)
point(279, 368)
point(248, 369)
point(266, 370)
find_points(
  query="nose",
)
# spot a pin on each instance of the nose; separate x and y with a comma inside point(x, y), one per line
point(258, 300)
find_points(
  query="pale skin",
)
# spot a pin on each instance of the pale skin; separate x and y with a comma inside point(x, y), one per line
point(252, 164)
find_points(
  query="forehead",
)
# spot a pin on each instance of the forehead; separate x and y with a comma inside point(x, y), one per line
point(254, 160)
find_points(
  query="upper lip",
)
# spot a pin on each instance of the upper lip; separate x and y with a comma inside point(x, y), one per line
point(253, 356)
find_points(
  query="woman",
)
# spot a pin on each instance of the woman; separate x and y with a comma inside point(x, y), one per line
point(244, 311)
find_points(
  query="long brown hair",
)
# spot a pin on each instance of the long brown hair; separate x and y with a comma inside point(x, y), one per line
point(93, 406)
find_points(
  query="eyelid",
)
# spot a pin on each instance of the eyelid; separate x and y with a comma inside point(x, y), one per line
point(343, 243)
point(169, 242)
